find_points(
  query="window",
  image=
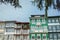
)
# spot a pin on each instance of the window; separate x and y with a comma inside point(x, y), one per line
point(33, 21)
point(1, 26)
point(38, 23)
point(10, 24)
point(38, 37)
point(25, 31)
point(43, 20)
point(59, 35)
point(55, 36)
point(17, 37)
point(33, 37)
point(24, 37)
point(53, 20)
point(49, 21)
point(58, 27)
point(25, 26)
point(9, 29)
point(44, 36)
point(54, 28)
point(18, 31)
point(10, 37)
point(51, 36)
point(19, 26)
point(38, 20)
point(56, 20)
point(50, 28)
point(41, 27)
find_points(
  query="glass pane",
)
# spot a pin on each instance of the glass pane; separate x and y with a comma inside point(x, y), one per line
point(55, 36)
point(59, 35)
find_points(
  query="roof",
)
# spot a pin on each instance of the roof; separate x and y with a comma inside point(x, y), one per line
point(53, 16)
point(22, 22)
point(36, 15)
point(6, 21)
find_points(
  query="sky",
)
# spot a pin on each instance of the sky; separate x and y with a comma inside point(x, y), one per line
point(9, 13)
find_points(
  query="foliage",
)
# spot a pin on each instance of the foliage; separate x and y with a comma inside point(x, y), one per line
point(48, 3)
point(14, 3)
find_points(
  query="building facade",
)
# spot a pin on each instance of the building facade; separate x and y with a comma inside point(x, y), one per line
point(2, 25)
point(22, 31)
point(54, 27)
point(9, 30)
point(38, 27)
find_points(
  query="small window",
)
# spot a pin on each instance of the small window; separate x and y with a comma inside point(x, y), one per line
point(50, 27)
point(49, 20)
point(51, 36)
point(55, 36)
point(33, 20)
point(24, 26)
point(43, 20)
point(24, 37)
point(38, 20)
point(9, 29)
point(41, 27)
point(33, 37)
point(54, 28)
point(17, 37)
point(59, 35)
point(38, 37)
point(56, 20)
point(58, 27)
point(44, 37)
point(53, 20)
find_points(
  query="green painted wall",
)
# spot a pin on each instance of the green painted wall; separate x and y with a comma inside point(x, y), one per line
point(34, 25)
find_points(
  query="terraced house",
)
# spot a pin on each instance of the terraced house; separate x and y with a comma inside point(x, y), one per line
point(2, 25)
point(54, 27)
point(9, 30)
point(22, 31)
point(38, 27)
point(12, 30)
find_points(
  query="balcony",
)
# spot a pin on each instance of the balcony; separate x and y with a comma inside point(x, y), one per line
point(25, 31)
point(38, 23)
point(18, 27)
point(10, 26)
point(18, 31)
point(45, 30)
point(8, 33)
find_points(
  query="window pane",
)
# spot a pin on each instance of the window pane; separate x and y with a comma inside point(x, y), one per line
point(9, 29)
point(56, 20)
point(55, 36)
point(44, 36)
point(51, 36)
point(38, 37)
point(50, 28)
point(33, 37)
point(58, 27)
point(49, 20)
point(59, 35)
point(53, 20)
